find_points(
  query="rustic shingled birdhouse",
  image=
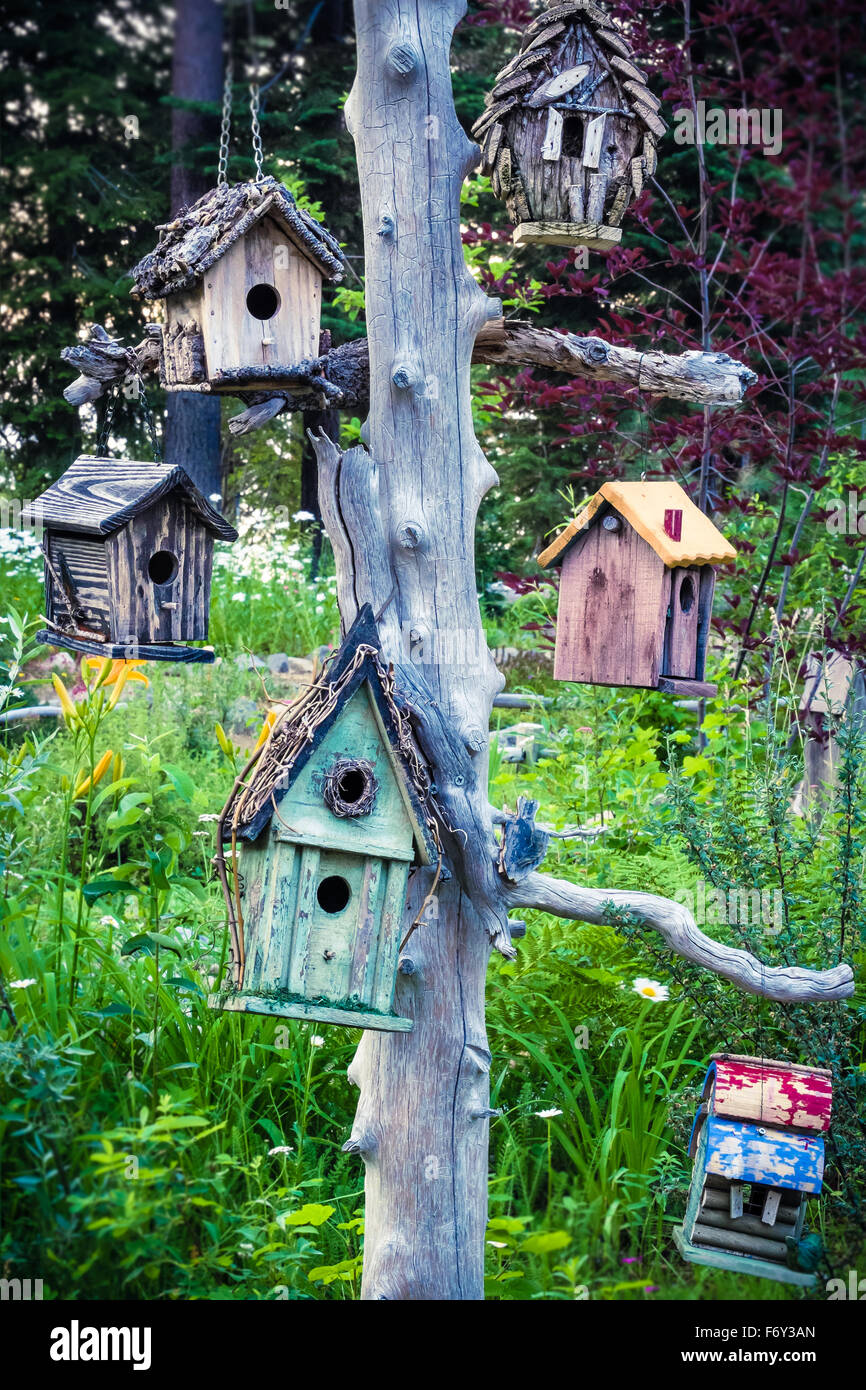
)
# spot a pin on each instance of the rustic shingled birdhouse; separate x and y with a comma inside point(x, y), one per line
point(569, 130)
point(241, 275)
point(758, 1150)
point(324, 828)
point(636, 593)
point(128, 557)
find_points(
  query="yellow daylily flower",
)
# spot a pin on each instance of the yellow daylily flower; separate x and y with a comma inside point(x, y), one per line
point(119, 682)
point(98, 773)
point(223, 741)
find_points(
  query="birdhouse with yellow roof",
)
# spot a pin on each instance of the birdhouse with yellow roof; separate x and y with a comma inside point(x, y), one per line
point(636, 594)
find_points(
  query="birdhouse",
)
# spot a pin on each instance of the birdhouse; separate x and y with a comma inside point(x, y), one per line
point(636, 592)
point(758, 1150)
point(128, 557)
point(329, 819)
point(569, 130)
point(241, 275)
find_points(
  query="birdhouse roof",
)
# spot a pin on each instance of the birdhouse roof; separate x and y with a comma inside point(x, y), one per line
point(767, 1092)
point(304, 725)
point(191, 243)
point(98, 496)
point(645, 507)
point(534, 79)
point(752, 1153)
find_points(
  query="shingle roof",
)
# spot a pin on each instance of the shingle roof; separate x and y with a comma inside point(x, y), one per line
point(303, 725)
point(97, 496)
point(199, 235)
point(520, 82)
point(644, 506)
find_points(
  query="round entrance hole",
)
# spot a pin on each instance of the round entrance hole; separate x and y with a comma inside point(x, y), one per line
point(351, 785)
point(162, 567)
point(263, 301)
point(333, 894)
point(687, 594)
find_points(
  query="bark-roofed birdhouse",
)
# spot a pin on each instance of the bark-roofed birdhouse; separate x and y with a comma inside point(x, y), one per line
point(128, 558)
point(241, 274)
point(636, 593)
point(758, 1154)
point(324, 831)
point(569, 131)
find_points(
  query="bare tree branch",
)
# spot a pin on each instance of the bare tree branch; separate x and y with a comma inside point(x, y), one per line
point(788, 983)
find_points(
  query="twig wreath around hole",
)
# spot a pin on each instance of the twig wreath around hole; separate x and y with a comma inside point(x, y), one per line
point(350, 787)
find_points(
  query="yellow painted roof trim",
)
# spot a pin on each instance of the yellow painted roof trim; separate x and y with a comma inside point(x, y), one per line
point(644, 505)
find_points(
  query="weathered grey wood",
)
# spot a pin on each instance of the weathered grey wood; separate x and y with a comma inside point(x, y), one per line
point(678, 928)
point(771, 1207)
point(703, 377)
point(417, 1128)
point(739, 1242)
point(736, 1200)
point(743, 1224)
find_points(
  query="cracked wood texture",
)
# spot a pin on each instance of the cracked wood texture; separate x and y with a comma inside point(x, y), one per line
point(401, 514)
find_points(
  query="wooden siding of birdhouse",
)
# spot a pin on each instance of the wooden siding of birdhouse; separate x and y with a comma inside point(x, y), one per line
point(577, 166)
point(687, 627)
point(613, 601)
point(147, 611)
point(766, 1092)
point(233, 336)
point(294, 947)
point(182, 360)
point(85, 560)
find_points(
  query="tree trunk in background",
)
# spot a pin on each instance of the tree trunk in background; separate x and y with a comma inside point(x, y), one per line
point(192, 435)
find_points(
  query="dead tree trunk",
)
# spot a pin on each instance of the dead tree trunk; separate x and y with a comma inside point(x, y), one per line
point(402, 519)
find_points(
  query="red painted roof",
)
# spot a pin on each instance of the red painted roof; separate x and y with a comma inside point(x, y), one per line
point(763, 1091)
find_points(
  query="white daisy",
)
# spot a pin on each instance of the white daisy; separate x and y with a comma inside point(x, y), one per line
point(651, 989)
point(548, 1114)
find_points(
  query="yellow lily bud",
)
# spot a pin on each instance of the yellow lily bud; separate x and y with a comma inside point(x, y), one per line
point(265, 733)
point(223, 741)
point(119, 683)
point(98, 773)
point(117, 768)
point(66, 704)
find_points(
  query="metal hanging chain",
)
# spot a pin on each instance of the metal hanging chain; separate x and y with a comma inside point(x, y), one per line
point(108, 418)
point(225, 126)
point(105, 427)
point(149, 420)
point(257, 137)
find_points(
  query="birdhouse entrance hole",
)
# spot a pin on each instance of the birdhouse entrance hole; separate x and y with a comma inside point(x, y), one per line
point(162, 567)
point(263, 301)
point(572, 137)
point(350, 787)
point(687, 594)
point(333, 894)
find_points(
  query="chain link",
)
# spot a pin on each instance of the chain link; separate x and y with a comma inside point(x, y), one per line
point(225, 127)
point(108, 418)
point(257, 137)
point(105, 427)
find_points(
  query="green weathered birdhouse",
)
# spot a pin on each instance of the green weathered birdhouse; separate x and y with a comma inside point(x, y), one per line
point(324, 830)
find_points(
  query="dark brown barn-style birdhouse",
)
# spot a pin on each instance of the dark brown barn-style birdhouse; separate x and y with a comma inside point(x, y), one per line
point(241, 275)
point(128, 557)
point(324, 828)
point(569, 131)
point(636, 593)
